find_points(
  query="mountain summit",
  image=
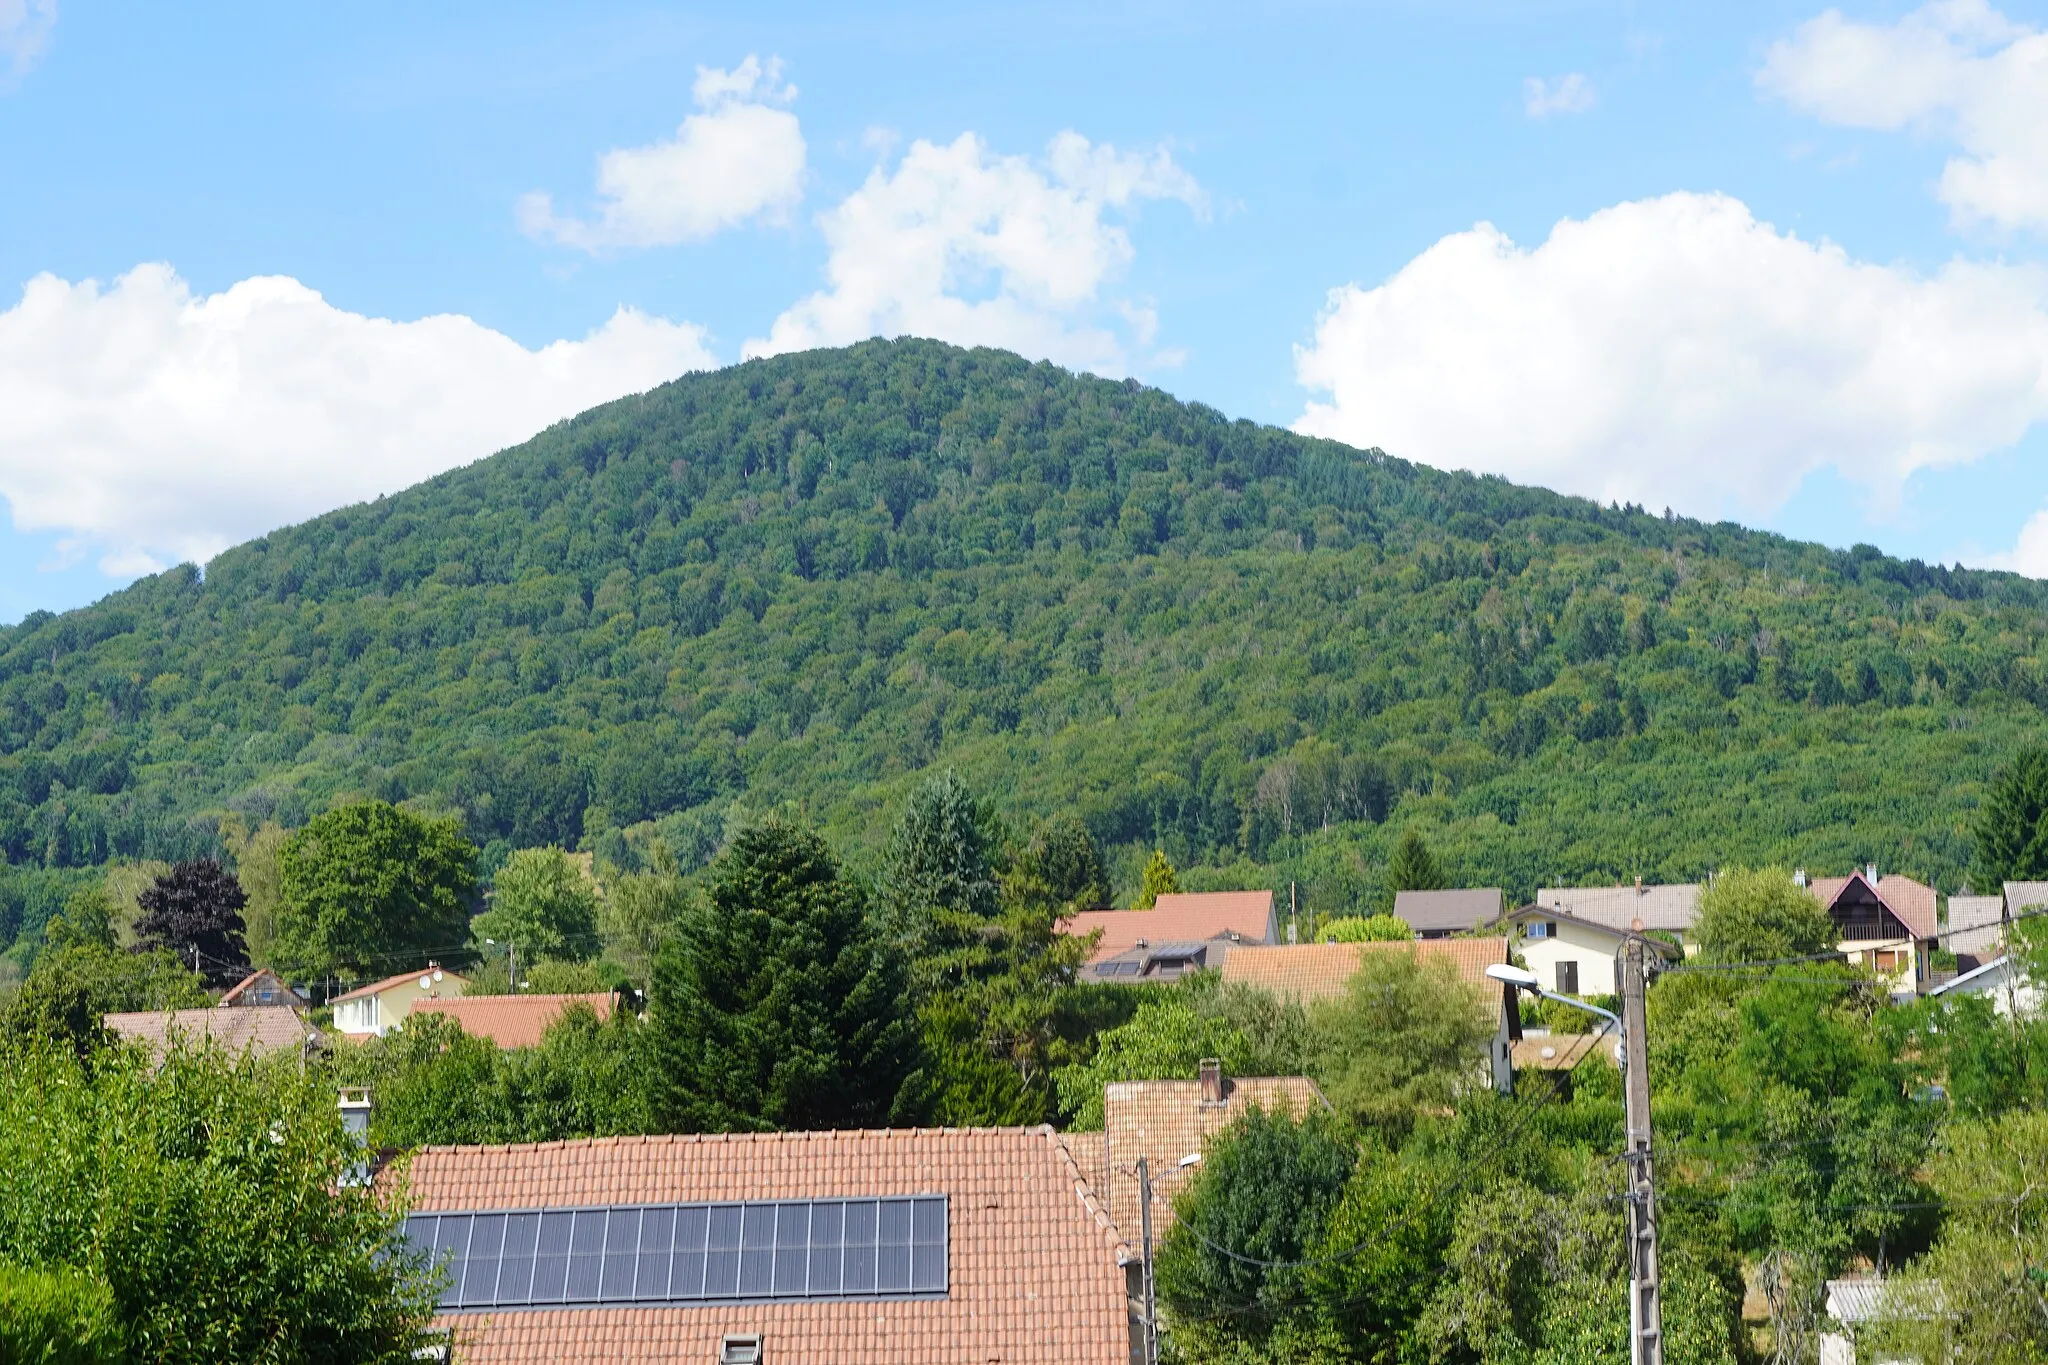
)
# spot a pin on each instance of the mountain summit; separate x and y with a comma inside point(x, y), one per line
point(804, 580)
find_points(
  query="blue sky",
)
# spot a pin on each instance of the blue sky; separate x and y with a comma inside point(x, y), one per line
point(1773, 262)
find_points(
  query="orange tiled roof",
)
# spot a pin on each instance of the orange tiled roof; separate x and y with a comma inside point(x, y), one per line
point(1035, 1269)
point(379, 987)
point(1164, 1121)
point(265, 1028)
point(1192, 918)
point(1322, 971)
point(512, 1020)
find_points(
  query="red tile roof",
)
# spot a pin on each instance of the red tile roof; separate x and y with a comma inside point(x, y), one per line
point(1189, 918)
point(264, 1028)
point(1164, 1121)
point(1036, 1272)
point(379, 987)
point(1913, 902)
point(512, 1020)
point(1322, 971)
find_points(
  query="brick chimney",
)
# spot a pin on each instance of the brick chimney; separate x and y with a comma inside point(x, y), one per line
point(1210, 1073)
point(1639, 886)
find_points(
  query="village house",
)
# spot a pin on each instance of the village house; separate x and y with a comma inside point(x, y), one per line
point(1668, 909)
point(1312, 972)
point(1169, 1123)
point(1974, 931)
point(854, 1247)
point(250, 1028)
point(1440, 914)
point(260, 987)
point(374, 1010)
point(1572, 956)
point(2001, 981)
point(512, 1020)
point(1184, 932)
point(1889, 924)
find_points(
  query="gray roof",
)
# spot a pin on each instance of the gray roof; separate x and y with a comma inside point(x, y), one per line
point(1669, 908)
point(1988, 977)
point(1853, 1302)
point(1974, 923)
point(2025, 895)
point(1466, 908)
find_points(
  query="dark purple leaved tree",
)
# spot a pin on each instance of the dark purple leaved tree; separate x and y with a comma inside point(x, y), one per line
point(195, 910)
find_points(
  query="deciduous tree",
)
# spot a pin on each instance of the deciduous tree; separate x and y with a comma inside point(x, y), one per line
point(371, 887)
point(1759, 915)
point(543, 905)
point(195, 911)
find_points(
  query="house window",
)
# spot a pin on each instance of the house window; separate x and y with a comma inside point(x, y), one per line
point(689, 1253)
point(1543, 928)
point(1890, 961)
point(1568, 978)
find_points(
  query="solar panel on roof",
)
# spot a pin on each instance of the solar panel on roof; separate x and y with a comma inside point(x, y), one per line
point(688, 1253)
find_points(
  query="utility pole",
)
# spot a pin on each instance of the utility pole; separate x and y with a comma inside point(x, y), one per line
point(1645, 1311)
point(1151, 1296)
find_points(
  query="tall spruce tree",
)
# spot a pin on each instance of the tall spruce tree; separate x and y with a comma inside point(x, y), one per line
point(938, 878)
point(776, 1005)
point(1413, 867)
point(195, 911)
point(2012, 824)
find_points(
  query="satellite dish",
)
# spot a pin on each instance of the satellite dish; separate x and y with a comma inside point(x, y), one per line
point(426, 983)
point(437, 973)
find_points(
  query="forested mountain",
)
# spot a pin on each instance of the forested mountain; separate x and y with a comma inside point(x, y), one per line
point(806, 579)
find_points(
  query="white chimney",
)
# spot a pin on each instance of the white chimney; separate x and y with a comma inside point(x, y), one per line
point(355, 1112)
point(1799, 877)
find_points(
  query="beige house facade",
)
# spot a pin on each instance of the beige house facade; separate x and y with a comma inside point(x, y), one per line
point(374, 1010)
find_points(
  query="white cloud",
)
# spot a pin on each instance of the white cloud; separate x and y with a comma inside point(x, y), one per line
point(25, 27)
point(155, 426)
point(2029, 554)
point(740, 159)
point(1955, 68)
point(1676, 351)
point(1568, 94)
point(972, 247)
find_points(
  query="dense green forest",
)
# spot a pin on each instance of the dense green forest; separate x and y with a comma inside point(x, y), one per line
point(799, 583)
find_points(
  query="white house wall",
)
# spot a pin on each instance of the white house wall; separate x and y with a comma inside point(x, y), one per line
point(1592, 949)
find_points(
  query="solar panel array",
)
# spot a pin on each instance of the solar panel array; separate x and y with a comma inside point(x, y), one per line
point(688, 1253)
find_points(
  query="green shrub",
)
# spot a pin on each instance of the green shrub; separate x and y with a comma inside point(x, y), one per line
point(57, 1317)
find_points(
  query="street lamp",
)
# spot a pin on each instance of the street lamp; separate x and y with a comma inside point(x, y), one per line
point(1521, 978)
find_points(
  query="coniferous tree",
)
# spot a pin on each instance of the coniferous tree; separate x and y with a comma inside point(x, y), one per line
point(776, 1005)
point(1413, 867)
point(195, 911)
point(1065, 856)
point(2012, 825)
point(1160, 879)
point(938, 881)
